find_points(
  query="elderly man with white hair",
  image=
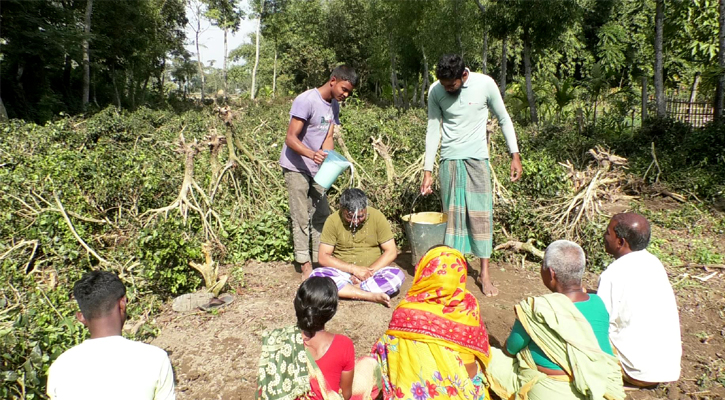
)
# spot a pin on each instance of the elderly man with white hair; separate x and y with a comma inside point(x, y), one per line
point(559, 345)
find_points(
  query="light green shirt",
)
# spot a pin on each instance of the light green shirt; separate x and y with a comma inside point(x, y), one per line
point(464, 117)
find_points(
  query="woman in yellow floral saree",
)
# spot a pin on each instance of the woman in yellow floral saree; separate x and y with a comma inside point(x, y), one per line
point(436, 345)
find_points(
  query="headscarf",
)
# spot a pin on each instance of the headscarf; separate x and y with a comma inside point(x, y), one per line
point(439, 309)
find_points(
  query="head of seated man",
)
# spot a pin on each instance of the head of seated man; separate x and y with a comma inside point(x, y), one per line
point(627, 232)
point(354, 208)
point(92, 369)
point(102, 300)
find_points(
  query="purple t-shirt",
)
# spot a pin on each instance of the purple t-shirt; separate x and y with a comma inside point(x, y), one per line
point(318, 114)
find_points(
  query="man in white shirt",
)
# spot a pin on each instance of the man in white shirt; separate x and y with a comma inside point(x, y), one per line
point(644, 324)
point(108, 366)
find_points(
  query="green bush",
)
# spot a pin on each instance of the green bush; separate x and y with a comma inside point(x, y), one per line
point(165, 250)
point(112, 169)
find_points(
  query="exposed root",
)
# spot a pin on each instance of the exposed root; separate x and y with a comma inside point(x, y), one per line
point(598, 182)
point(186, 200)
point(383, 149)
point(210, 271)
point(215, 142)
point(500, 192)
point(703, 266)
point(337, 135)
point(75, 233)
point(228, 117)
point(640, 186)
point(518, 247)
point(655, 164)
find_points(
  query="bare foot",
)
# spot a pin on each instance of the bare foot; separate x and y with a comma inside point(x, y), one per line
point(487, 288)
point(306, 270)
point(381, 298)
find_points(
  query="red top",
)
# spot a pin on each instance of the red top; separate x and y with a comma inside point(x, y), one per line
point(339, 357)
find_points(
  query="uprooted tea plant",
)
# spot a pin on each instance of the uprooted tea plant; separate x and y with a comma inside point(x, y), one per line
point(146, 193)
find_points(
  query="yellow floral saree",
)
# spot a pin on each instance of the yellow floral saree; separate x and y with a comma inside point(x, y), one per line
point(434, 332)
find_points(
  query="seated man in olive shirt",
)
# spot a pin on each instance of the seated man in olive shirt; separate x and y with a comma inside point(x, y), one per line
point(356, 249)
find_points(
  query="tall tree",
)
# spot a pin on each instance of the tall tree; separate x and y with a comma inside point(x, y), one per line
point(720, 90)
point(659, 66)
point(504, 61)
point(541, 22)
point(86, 55)
point(484, 50)
point(227, 16)
point(197, 8)
point(3, 111)
point(502, 26)
point(256, 52)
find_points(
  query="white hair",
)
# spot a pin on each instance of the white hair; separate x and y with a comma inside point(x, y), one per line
point(567, 259)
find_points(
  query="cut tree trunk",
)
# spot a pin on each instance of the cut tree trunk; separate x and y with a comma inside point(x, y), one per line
point(86, 56)
point(527, 71)
point(659, 64)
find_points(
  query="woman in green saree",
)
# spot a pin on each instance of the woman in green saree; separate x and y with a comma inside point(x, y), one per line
point(559, 346)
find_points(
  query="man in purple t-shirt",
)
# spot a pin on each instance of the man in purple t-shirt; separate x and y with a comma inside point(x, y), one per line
point(309, 134)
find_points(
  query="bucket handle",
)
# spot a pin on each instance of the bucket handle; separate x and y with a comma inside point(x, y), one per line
point(415, 199)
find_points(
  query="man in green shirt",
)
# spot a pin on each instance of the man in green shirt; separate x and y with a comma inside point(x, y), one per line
point(458, 105)
point(356, 249)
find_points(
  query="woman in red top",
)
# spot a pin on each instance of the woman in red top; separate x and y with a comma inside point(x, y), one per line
point(315, 304)
point(307, 362)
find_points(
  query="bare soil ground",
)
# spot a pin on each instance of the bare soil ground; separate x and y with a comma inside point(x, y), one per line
point(215, 355)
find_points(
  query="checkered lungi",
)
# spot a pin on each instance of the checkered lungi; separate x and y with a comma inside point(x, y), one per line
point(385, 280)
point(468, 200)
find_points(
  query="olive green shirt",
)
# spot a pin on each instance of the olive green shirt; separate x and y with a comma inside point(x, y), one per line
point(362, 248)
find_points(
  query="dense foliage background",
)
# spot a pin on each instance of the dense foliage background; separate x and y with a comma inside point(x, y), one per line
point(110, 118)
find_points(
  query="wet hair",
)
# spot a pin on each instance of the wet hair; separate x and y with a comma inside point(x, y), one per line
point(97, 293)
point(567, 260)
point(315, 303)
point(345, 73)
point(450, 66)
point(353, 199)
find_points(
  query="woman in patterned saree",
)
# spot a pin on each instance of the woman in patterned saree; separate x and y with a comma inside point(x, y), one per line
point(306, 361)
point(436, 345)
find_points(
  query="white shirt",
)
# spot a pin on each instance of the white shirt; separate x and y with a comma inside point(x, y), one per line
point(644, 324)
point(111, 368)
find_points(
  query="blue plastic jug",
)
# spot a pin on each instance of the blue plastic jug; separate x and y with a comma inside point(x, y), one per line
point(331, 168)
